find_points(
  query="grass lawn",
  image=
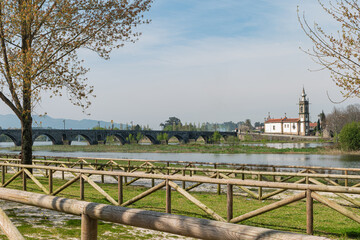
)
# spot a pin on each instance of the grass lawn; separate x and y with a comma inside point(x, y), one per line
point(44, 224)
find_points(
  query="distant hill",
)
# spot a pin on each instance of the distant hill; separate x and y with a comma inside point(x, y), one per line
point(11, 121)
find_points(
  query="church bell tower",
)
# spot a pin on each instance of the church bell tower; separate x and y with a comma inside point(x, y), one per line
point(304, 114)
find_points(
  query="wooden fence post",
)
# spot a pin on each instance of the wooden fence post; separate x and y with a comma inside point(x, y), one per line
point(46, 170)
point(346, 180)
point(50, 181)
point(168, 197)
point(309, 213)
point(260, 188)
point(24, 180)
point(274, 177)
point(88, 228)
point(183, 182)
point(2, 175)
point(120, 190)
point(82, 190)
point(229, 202)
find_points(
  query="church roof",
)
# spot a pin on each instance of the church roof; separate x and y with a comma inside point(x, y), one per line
point(284, 120)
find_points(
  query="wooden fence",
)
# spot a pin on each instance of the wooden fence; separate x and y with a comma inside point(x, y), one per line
point(92, 212)
point(190, 176)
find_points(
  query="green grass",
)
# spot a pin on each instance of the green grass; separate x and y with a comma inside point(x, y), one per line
point(185, 148)
point(289, 218)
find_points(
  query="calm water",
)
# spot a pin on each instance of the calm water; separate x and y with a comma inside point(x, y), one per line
point(289, 145)
point(271, 159)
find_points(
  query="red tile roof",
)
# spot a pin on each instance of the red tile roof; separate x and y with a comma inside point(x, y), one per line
point(313, 124)
point(291, 120)
point(274, 120)
point(285, 120)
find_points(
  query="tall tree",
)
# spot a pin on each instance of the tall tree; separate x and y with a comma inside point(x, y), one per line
point(168, 124)
point(338, 52)
point(40, 41)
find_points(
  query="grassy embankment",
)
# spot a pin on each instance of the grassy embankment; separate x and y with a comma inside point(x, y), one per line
point(184, 148)
point(42, 225)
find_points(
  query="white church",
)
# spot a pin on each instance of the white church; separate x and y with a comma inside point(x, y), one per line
point(291, 126)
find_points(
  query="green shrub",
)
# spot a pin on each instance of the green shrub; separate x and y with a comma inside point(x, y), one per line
point(216, 137)
point(349, 137)
point(163, 137)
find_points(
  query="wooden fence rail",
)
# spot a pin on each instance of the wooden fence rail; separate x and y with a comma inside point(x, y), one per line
point(186, 226)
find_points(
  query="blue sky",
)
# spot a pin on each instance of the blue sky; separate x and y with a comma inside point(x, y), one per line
point(208, 61)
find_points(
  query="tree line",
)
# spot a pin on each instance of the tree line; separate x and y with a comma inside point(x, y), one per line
point(175, 124)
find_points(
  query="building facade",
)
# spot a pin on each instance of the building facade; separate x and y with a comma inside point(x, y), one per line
point(291, 126)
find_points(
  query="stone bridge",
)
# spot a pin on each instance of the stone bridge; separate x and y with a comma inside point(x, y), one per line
point(93, 137)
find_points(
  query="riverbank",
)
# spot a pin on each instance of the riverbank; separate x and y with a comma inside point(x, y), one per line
point(186, 148)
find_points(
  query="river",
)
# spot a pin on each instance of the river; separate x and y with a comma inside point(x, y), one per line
point(271, 159)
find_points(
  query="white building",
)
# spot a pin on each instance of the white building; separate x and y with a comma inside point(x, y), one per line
point(292, 126)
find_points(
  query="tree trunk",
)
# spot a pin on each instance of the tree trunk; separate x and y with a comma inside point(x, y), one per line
point(26, 138)
point(26, 119)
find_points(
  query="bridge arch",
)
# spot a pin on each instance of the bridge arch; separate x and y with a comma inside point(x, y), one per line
point(144, 140)
point(151, 138)
point(119, 137)
point(224, 136)
point(13, 139)
point(178, 137)
point(200, 139)
point(87, 138)
point(52, 139)
point(204, 137)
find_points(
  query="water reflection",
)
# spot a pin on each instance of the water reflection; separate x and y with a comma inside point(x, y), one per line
point(39, 143)
point(289, 145)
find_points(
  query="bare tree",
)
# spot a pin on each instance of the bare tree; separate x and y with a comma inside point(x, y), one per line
point(338, 118)
point(39, 43)
point(340, 52)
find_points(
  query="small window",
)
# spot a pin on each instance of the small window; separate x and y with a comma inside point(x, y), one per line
point(294, 126)
point(273, 127)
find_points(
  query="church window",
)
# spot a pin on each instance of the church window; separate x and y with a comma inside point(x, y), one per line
point(301, 109)
point(273, 127)
point(294, 126)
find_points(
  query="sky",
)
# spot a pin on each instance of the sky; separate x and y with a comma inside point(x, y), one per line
point(208, 61)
